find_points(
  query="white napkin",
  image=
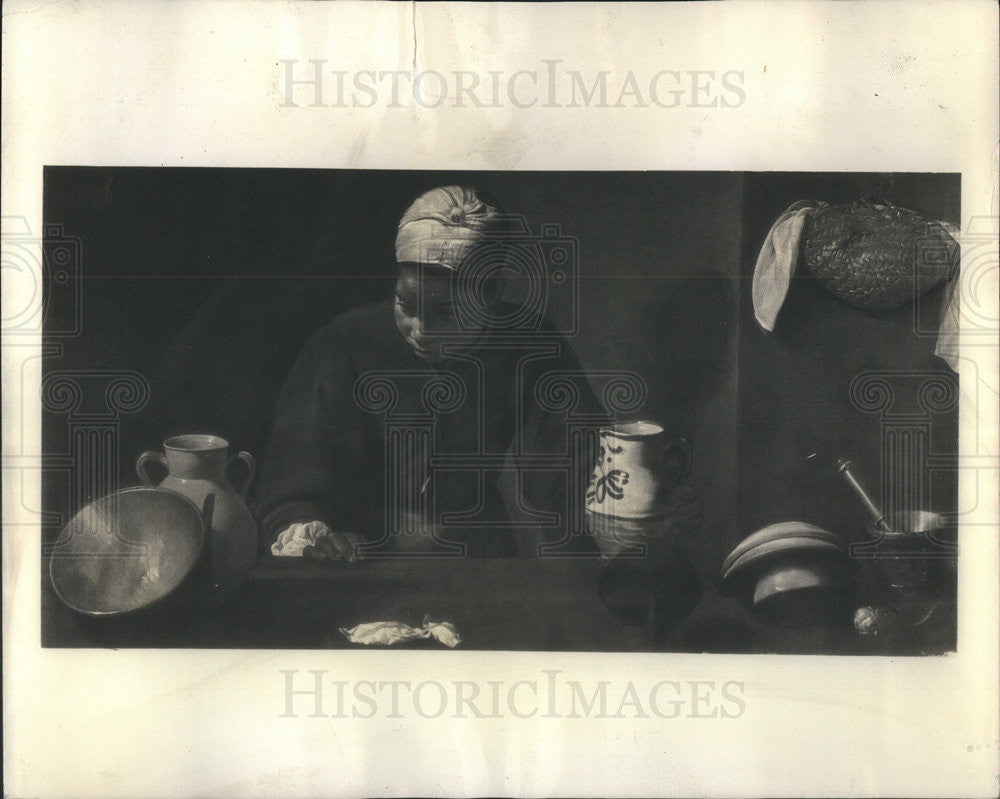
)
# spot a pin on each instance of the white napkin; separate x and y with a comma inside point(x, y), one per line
point(295, 538)
point(387, 633)
point(776, 262)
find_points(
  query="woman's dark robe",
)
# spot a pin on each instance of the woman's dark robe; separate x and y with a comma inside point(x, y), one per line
point(357, 392)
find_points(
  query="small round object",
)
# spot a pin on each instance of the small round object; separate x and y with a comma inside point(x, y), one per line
point(126, 551)
point(867, 620)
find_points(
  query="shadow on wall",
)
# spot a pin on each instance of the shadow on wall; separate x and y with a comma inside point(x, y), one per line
point(688, 331)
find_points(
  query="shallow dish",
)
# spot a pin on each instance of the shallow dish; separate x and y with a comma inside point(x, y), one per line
point(777, 532)
point(126, 551)
point(791, 573)
point(768, 551)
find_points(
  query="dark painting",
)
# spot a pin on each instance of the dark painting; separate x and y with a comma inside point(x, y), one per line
point(186, 302)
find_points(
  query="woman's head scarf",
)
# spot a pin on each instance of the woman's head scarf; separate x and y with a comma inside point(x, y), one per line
point(444, 225)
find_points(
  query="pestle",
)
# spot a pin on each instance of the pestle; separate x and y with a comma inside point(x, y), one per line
point(844, 467)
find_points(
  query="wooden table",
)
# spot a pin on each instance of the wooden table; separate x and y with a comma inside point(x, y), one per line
point(549, 604)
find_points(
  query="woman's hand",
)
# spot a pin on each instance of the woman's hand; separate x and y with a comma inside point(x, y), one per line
point(334, 546)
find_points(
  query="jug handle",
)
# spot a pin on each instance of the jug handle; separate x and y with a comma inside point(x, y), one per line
point(251, 465)
point(682, 446)
point(144, 460)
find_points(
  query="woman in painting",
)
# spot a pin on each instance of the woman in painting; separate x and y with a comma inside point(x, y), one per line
point(445, 371)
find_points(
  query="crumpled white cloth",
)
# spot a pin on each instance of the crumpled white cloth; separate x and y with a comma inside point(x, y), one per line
point(295, 538)
point(779, 255)
point(776, 262)
point(950, 321)
point(387, 633)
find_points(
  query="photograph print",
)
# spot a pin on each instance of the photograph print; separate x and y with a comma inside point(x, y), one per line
point(701, 412)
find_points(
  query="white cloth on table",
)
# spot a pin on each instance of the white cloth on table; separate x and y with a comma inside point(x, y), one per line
point(387, 633)
point(296, 537)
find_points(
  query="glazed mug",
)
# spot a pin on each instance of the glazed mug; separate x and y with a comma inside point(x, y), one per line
point(636, 471)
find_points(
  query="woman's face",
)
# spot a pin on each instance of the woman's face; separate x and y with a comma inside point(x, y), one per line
point(424, 308)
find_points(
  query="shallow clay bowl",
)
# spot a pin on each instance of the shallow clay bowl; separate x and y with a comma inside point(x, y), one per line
point(792, 573)
point(127, 551)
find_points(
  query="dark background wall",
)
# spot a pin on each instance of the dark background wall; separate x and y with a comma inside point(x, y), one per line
point(208, 281)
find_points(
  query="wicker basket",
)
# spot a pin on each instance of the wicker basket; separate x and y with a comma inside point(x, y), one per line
point(876, 256)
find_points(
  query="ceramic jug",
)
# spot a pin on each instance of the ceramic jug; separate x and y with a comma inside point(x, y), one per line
point(196, 467)
point(637, 469)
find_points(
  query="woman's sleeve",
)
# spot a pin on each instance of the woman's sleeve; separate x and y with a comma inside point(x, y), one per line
point(547, 432)
point(317, 427)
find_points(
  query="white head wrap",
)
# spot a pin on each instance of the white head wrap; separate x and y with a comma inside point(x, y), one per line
point(443, 226)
